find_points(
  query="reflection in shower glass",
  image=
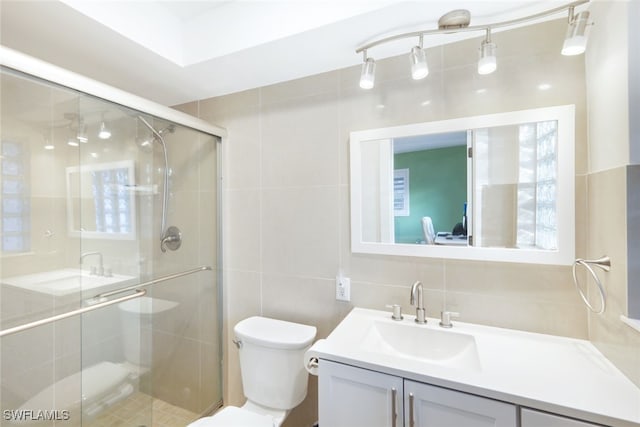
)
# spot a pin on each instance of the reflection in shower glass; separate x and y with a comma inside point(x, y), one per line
point(15, 204)
point(111, 200)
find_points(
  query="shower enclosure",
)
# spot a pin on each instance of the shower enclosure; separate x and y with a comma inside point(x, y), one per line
point(110, 299)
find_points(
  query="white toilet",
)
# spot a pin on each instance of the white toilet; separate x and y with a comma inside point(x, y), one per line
point(273, 374)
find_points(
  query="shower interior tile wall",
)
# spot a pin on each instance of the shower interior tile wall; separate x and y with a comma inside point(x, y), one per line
point(286, 190)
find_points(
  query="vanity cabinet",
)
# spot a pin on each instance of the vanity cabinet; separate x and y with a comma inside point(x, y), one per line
point(356, 397)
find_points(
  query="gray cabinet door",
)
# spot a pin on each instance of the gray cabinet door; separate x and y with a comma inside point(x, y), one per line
point(430, 406)
point(355, 397)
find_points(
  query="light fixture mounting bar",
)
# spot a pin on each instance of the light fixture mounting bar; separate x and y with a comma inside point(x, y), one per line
point(485, 28)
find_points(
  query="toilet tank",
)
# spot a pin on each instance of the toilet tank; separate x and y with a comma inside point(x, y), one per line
point(272, 362)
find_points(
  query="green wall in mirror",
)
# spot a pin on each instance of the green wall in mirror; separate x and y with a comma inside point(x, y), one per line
point(437, 188)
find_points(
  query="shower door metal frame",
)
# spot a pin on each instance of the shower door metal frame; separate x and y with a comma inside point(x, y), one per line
point(29, 65)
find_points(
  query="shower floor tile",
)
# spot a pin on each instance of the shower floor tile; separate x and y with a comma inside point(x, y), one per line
point(142, 410)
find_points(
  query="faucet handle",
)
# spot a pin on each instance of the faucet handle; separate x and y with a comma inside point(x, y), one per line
point(445, 318)
point(397, 311)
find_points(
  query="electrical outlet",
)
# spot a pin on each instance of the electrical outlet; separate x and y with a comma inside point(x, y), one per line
point(343, 288)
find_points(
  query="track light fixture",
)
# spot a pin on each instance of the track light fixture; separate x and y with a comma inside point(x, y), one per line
point(418, 58)
point(104, 132)
point(487, 63)
point(458, 21)
point(368, 73)
point(575, 42)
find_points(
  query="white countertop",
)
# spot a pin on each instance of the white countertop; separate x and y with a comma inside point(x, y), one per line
point(561, 375)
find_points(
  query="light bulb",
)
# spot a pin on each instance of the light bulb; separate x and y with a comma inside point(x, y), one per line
point(575, 41)
point(104, 133)
point(487, 63)
point(368, 74)
point(419, 67)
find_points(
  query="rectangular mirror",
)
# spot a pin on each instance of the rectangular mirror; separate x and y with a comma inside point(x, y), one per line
point(100, 200)
point(495, 187)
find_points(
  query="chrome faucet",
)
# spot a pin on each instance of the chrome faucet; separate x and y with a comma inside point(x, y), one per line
point(420, 311)
point(100, 270)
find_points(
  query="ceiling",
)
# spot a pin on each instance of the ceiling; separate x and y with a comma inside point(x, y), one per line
point(173, 52)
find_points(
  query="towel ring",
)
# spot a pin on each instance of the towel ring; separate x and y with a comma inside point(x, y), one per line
point(603, 263)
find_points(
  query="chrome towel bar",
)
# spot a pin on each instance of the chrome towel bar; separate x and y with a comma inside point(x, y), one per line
point(151, 282)
point(99, 302)
point(72, 313)
point(604, 263)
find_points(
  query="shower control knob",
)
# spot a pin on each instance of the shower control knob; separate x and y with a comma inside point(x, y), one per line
point(171, 240)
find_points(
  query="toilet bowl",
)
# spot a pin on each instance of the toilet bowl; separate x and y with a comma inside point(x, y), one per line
point(273, 375)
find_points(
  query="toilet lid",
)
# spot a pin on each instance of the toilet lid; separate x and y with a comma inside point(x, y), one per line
point(234, 417)
point(274, 333)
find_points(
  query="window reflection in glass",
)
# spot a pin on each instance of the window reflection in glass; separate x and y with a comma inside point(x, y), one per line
point(16, 236)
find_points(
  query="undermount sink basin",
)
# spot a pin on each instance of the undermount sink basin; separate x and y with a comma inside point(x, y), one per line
point(423, 343)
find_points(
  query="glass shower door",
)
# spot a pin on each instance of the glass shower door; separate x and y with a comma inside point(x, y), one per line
point(82, 204)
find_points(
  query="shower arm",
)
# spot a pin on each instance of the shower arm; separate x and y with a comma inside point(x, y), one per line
point(165, 187)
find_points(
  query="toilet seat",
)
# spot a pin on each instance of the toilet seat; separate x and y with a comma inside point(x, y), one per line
point(232, 416)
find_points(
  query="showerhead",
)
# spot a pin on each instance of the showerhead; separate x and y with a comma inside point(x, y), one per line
point(170, 129)
point(145, 143)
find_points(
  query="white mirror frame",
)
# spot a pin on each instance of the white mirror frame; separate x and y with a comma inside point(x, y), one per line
point(564, 255)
